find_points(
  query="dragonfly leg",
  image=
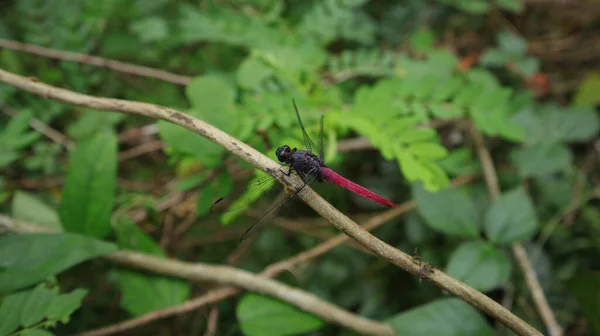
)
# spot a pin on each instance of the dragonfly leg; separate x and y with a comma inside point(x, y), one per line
point(288, 173)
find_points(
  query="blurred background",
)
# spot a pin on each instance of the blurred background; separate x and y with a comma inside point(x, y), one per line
point(406, 88)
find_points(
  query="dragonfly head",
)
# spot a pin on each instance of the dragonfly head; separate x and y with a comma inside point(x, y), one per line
point(284, 153)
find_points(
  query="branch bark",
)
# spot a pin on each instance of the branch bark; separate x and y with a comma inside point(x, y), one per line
point(260, 161)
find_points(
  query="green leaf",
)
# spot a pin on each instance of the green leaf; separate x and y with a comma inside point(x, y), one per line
point(89, 189)
point(443, 317)
point(587, 92)
point(37, 304)
point(515, 6)
point(428, 150)
point(513, 45)
point(541, 159)
point(422, 40)
point(135, 286)
point(460, 162)
point(480, 265)
point(150, 29)
point(27, 207)
point(528, 66)
point(212, 100)
point(449, 211)
point(511, 218)
point(10, 313)
point(252, 72)
point(264, 316)
point(66, 304)
point(206, 195)
point(584, 286)
point(93, 122)
point(26, 259)
point(493, 57)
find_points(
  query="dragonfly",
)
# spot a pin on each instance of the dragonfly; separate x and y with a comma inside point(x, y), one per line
point(308, 164)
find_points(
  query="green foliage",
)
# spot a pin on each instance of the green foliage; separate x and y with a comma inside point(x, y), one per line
point(255, 314)
point(89, 190)
point(587, 93)
point(449, 211)
point(511, 218)
point(135, 286)
point(511, 52)
point(27, 259)
point(479, 265)
point(28, 311)
point(484, 6)
point(29, 208)
point(441, 317)
point(15, 137)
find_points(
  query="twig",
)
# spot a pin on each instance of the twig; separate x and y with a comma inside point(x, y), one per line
point(213, 318)
point(142, 149)
point(44, 129)
point(96, 61)
point(310, 197)
point(491, 179)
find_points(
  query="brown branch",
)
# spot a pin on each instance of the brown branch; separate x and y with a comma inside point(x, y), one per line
point(260, 161)
point(491, 179)
point(123, 67)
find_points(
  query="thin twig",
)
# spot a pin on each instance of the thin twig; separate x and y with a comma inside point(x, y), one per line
point(123, 67)
point(43, 128)
point(531, 279)
point(310, 197)
point(142, 149)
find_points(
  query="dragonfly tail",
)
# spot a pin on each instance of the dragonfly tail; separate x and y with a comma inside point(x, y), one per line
point(343, 182)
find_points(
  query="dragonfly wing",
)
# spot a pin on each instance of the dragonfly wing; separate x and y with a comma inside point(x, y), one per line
point(310, 145)
point(272, 211)
point(321, 149)
point(253, 191)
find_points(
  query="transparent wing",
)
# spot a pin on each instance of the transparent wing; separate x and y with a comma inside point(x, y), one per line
point(310, 145)
point(241, 200)
point(321, 142)
point(272, 211)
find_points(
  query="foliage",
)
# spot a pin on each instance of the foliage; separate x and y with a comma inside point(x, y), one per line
point(379, 72)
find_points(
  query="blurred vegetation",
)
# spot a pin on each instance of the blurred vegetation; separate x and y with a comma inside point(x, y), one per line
point(400, 84)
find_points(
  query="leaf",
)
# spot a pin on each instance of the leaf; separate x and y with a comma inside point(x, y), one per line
point(135, 286)
point(66, 304)
point(460, 162)
point(584, 286)
point(89, 189)
point(26, 259)
point(422, 40)
point(448, 211)
point(212, 100)
point(37, 304)
point(515, 6)
point(541, 159)
point(28, 208)
point(93, 122)
point(252, 72)
point(528, 66)
point(493, 57)
point(480, 265)
point(428, 150)
point(587, 92)
point(442, 317)
point(10, 312)
point(264, 316)
point(513, 45)
point(511, 218)
point(150, 29)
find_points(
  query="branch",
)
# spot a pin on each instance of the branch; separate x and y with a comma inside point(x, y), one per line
point(260, 161)
point(491, 179)
point(199, 272)
point(96, 61)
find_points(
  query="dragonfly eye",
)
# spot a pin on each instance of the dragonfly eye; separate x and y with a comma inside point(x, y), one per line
point(283, 153)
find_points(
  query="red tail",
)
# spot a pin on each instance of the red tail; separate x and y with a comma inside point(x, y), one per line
point(336, 178)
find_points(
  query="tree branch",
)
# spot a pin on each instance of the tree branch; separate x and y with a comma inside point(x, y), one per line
point(260, 161)
point(123, 67)
point(491, 179)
